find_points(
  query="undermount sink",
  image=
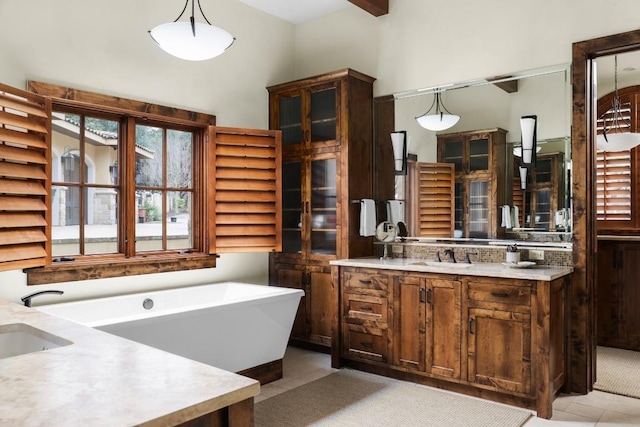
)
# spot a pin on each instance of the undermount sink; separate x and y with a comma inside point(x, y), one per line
point(17, 339)
point(442, 264)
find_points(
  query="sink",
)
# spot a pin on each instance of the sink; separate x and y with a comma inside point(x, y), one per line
point(17, 339)
point(444, 264)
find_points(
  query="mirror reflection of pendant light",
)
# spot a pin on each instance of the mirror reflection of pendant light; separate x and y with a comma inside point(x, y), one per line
point(399, 143)
point(616, 133)
point(523, 178)
point(440, 119)
point(528, 126)
point(193, 41)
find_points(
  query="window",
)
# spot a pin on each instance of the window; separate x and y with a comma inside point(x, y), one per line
point(138, 188)
point(614, 184)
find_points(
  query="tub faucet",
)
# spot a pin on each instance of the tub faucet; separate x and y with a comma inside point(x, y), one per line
point(27, 298)
point(450, 254)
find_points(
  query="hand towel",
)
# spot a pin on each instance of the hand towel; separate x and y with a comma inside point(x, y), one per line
point(516, 217)
point(506, 216)
point(367, 217)
point(395, 211)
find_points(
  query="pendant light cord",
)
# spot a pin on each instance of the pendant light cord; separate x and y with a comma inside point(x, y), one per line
point(192, 19)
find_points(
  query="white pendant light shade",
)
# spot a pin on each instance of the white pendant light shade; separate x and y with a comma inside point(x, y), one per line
point(177, 38)
point(398, 141)
point(618, 141)
point(437, 122)
point(528, 129)
point(517, 151)
point(440, 119)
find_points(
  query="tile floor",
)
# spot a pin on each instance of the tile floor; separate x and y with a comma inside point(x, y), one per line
point(595, 409)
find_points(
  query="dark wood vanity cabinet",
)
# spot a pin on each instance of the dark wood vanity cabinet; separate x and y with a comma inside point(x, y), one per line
point(480, 179)
point(496, 338)
point(618, 294)
point(326, 124)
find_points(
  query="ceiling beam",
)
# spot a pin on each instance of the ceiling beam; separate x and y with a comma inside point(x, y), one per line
point(374, 7)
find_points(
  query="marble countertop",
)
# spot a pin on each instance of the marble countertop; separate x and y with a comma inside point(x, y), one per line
point(537, 272)
point(102, 379)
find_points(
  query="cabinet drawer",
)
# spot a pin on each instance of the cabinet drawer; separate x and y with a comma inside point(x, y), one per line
point(366, 308)
point(362, 280)
point(365, 343)
point(502, 294)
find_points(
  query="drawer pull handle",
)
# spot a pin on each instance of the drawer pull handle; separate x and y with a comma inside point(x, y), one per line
point(421, 294)
point(366, 308)
point(471, 326)
point(500, 294)
point(366, 282)
point(366, 344)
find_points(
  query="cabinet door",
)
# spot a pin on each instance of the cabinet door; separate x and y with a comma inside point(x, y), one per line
point(477, 200)
point(288, 116)
point(409, 317)
point(630, 295)
point(322, 205)
point(499, 349)
point(320, 291)
point(293, 276)
point(443, 326)
point(323, 114)
point(292, 207)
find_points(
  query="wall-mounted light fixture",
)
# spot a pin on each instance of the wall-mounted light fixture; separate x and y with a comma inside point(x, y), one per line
point(399, 143)
point(523, 178)
point(528, 125)
point(440, 119)
point(193, 41)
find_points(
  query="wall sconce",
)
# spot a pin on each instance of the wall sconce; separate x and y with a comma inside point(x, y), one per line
point(68, 161)
point(438, 120)
point(528, 125)
point(523, 178)
point(399, 143)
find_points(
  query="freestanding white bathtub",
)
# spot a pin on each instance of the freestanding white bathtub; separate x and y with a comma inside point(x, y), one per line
point(232, 326)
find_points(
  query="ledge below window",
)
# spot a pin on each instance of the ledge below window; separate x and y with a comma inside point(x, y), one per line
point(74, 271)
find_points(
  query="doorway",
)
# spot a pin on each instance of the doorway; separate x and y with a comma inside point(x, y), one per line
point(583, 341)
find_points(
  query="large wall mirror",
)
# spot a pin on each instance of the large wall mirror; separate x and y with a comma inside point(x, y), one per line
point(500, 102)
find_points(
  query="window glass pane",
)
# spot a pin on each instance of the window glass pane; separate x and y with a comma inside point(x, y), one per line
point(101, 229)
point(101, 151)
point(149, 161)
point(65, 144)
point(65, 238)
point(179, 220)
point(179, 159)
point(149, 225)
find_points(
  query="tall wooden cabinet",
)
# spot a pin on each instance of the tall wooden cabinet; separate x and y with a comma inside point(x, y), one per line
point(480, 169)
point(327, 133)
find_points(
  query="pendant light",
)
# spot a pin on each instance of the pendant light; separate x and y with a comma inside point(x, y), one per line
point(438, 120)
point(528, 125)
point(617, 133)
point(193, 41)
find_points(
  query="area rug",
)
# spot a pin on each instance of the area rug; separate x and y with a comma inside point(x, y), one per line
point(618, 371)
point(350, 398)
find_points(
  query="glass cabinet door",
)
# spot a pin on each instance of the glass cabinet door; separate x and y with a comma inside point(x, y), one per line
point(453, 153)
point(290, 120)
point(291, 207)
point(478, 154)
point(323, 206)
point(323, 115)
point(479, 209)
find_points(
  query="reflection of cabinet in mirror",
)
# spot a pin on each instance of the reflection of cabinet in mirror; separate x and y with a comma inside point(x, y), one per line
point(326, 124)
point(479, 159)
point(544, 194)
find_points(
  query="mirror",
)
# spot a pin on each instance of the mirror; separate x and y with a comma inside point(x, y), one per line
point(500, 102)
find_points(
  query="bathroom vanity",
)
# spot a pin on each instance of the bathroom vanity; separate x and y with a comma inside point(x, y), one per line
point(486, 330)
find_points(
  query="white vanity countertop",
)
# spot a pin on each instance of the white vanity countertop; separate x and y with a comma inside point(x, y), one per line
point(102, 379)
point(538, 272)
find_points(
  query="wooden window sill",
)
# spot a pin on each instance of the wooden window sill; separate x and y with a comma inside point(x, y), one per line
point(104, 268)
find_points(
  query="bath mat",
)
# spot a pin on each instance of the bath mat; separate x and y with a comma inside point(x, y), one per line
point(352, 398)
point(618, 371)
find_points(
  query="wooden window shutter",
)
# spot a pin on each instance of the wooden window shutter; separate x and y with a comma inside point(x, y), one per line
point(613, 186)
point(436, 194)
point(25, 141)
point(247, 191)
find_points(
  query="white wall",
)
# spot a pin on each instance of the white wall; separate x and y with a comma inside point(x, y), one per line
point(103, 46)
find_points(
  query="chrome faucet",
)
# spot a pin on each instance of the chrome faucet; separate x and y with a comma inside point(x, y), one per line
point(27, 298)
point(450, 254)
point(466, 257)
